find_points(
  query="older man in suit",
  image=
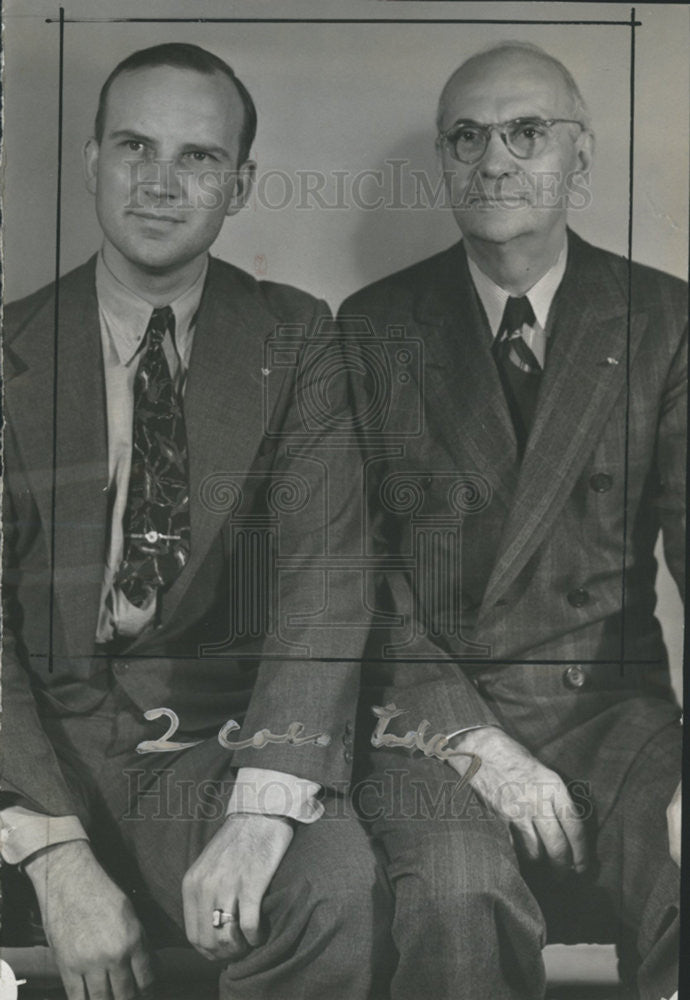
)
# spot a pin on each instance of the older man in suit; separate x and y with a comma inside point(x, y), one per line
point(525, 509)
point(151, 474)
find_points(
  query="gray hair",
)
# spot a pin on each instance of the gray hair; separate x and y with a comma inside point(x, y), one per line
point(581, 112)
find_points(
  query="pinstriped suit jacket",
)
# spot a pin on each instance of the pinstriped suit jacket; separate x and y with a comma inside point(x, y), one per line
point(548, 612)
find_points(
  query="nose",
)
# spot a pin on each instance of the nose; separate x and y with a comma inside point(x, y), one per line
point(156, 177)
point(497, 159)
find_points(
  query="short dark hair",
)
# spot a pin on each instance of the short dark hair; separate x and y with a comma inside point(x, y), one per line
point(182, 56)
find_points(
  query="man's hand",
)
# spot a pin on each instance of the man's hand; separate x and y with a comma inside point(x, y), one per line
point(532, 798)
point(673, 822)
point(90, 924)
point(232, 874)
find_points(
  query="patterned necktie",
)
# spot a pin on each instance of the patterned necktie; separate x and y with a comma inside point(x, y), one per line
point(525, 337)
point(156, 521)
point(519, 350)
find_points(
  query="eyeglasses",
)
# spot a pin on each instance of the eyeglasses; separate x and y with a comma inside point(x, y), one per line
point(525, 138)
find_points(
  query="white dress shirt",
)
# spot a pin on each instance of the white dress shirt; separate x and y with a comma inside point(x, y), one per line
point(540, 295)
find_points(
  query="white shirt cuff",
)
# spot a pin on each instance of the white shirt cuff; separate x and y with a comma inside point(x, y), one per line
point(275, 793)
point(469, 729)
point(23, 832)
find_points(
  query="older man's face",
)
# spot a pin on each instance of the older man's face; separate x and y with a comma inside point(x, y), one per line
point(502, 197)
point(165, 173)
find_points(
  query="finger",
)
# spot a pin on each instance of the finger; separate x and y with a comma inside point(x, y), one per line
point(576, 834)
point(528, 841)
point(556, 846)
point(198, 916)
point(98, 985)
point(573, 828)
point(228, 941)
point(250, 918)
point(74, 985)
point(142, 967)
point(122, 983)
point(190, 909)
point(215, 943)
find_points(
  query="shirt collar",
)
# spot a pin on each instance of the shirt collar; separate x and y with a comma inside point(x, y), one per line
point(540, 295)
point(127, 314)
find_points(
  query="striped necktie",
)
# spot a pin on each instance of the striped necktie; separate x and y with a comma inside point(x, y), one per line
point(520, 351)
point(156, 521)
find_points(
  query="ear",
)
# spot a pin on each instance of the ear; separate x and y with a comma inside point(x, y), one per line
point(243, 183)
point(585, 151)
point(90, 155)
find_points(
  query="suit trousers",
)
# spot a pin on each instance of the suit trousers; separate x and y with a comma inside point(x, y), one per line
point(326, 913)
point(471, 918)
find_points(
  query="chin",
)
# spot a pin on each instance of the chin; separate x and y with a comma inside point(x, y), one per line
point(499, 225)
point(494, 228)
point(156, 258)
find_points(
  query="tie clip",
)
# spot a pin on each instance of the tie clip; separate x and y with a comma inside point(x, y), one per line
point(157, 536)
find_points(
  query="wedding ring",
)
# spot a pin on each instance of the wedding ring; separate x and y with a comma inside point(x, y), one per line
point(220, 917)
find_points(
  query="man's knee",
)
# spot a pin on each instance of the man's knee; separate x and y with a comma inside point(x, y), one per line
point(326, 922)
point(455, 878)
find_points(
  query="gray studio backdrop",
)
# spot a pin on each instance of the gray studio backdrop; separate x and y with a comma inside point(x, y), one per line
point(345, 147)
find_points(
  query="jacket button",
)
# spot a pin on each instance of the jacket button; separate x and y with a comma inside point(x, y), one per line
point(601, 482)
point(578, 598)
point(574, 677)
point(348, 728)
point(348, 757)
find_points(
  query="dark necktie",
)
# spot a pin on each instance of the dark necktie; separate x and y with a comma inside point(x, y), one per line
point(519, 351)
point(156, 522)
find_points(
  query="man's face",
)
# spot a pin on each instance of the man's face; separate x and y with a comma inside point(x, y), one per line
point(502, 197)
point(165, 173)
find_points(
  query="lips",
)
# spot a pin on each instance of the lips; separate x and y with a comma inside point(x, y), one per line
point(152, 216)
point(507, 201)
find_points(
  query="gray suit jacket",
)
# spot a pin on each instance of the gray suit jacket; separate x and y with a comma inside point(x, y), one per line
point(218, 651)
point(536, 580)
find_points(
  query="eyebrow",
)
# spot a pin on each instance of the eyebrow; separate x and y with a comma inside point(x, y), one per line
point(517, 118)
point(188, 147)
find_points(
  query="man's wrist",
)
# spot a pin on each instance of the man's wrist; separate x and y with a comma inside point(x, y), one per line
point(67, 851)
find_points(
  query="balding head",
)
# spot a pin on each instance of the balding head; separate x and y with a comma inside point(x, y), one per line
point(523, 61)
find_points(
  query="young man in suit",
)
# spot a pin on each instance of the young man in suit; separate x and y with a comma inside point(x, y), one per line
point(551, 454)
point(139, 482)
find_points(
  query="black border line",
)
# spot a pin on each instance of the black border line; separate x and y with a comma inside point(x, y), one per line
point(323, 20)
point(56, 320)
point(626, 444)
point(453, 658)
point(631, 23)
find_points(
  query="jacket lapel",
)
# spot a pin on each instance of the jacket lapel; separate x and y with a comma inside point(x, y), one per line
point(223, 406)
point(584, 375)
point(60, 425)
point(460, 374)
